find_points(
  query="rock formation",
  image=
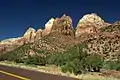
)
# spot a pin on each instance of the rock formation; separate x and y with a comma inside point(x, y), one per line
point(89, 23)
point(30, 52)
point(61, 33)
point(38, 34)
point(30, 34)
point(12, 43)
point(48, 27)
point(63, 26)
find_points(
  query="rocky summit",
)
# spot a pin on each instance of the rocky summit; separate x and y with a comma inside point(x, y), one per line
point(89, 24)
point(38, 34)
point(30, 34)
point(63, 26)
point(48, 27)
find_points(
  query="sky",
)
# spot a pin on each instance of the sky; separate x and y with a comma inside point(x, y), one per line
point(17, 15)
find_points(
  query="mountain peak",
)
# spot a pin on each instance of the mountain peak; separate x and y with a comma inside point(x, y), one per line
point(49, 24)
point(63, 25)
point(48, 27)
point(64, 15)
point(30, 29)
point(39, 34)
point(30, 34)
point(90, 18)
point(89, 23)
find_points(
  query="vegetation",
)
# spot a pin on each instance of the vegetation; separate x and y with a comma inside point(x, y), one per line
point(20, 55)
point(112, 65)
point(81, 62)
point(76, 60)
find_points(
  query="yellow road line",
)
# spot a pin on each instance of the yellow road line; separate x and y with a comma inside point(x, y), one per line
point(10, 74)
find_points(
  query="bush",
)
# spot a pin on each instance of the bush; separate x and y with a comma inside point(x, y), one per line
point(80, 62)
point(75, 60)
point(72, 67)
point(112, 65)
point(94, 62)
point(19, 56)
point(12, 56)
point(35, 60)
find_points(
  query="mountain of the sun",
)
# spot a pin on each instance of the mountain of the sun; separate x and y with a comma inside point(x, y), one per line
point(59, 36)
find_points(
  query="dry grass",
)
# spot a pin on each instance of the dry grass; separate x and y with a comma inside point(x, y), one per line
point(56, 70)
point(95, 77)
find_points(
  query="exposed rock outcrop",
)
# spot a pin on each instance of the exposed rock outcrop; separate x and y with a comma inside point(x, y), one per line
point(30, 34)
point(12, 43)
point(39, 34)
point(30, 52)
point(48, 27)
point(115, 27)
point(63, 26)
point(89, 24)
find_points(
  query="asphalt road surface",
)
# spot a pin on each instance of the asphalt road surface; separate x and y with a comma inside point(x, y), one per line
point(12, 73)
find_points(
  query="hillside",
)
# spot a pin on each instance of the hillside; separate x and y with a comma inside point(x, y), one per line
point(94, 45)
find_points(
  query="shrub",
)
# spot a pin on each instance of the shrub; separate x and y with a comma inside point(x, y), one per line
point(80, 62)
point(12, 56)
point(112, 65)
point(35, 60)
point(72, 67)
point(94, 62)
point(75, 60)
point(19, 56)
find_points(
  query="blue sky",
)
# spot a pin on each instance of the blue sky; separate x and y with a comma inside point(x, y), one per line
point(17, 15)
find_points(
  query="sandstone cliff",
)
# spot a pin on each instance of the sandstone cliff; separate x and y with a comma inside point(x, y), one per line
point(89, 23)
point(63, 26)
point(39, 34)
point(48, 27)
point(30, 34)
point(12, 43)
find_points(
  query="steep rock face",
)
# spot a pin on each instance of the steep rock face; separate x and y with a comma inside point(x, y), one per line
point(89, 24)
point(11, 44)
point(30, 34)
point(48, 27)
point(63, 26)
point(39, 34)
point(10, 41)
point(115, 27)
point(59, 36)
point(106, 44)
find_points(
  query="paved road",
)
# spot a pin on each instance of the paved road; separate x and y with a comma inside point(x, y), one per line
point(12, 73)
point(6, 77)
